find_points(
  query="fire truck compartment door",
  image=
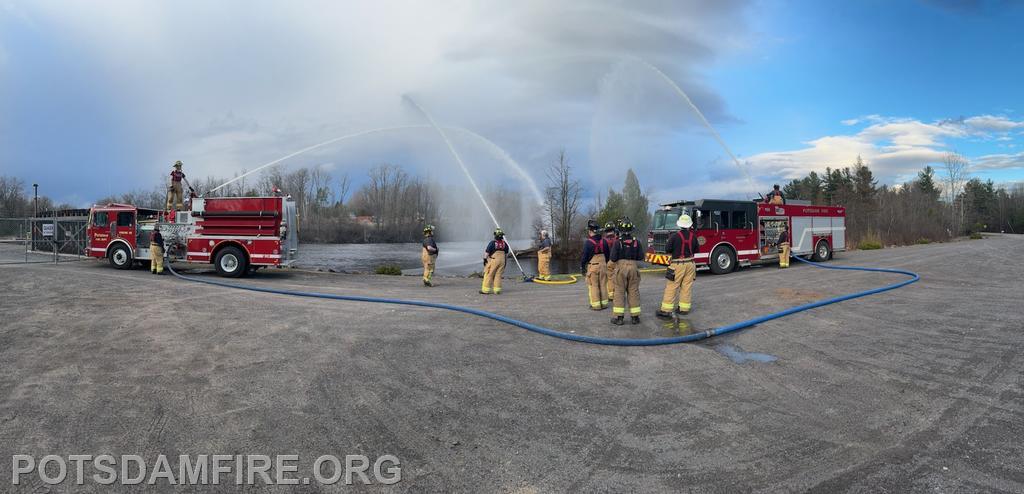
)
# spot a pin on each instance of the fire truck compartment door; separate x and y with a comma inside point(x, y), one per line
point(801, 234)
point(838, 232)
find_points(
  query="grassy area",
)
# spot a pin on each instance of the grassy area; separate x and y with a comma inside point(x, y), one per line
point(389, 269)
point(976, 236)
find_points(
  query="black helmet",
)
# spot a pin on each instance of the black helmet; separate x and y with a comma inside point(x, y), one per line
point(609, 227)
point(626, 226)
point(593, 225)
point(498, 233)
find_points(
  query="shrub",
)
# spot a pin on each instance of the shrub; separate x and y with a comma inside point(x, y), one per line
point(976, 236)
point(924, 241)
point(389, 269)
point(871, 241)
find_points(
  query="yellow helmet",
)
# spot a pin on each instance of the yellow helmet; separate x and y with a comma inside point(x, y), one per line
point(177, 164)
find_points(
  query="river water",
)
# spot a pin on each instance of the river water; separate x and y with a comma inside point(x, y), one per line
point(455, 259)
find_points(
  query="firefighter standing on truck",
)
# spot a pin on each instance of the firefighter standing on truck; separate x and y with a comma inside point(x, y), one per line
point(174, 191)
point(156, 252)
point(775, 196)
point(611, 236)
point(544, 256)
point(681, 271)
point(625, 254)
point(429, 256)
point(494, 263)
point(784, 247)
point(593, 264)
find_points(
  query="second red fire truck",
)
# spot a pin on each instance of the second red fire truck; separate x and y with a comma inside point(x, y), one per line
point(744, 233)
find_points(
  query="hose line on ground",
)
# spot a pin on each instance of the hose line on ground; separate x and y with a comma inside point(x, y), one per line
point(572, 279)
point(596, 340)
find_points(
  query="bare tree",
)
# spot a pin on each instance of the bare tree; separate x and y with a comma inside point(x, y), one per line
point(563, 200)
point(957, 170)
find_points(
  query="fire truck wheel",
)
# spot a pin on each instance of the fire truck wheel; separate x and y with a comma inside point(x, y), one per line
point(722, 260)
point(822, 252)
point(231, 262)
point(120, 257)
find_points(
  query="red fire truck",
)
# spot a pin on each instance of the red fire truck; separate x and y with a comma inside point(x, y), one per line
point(236, 234)
point(744, 233)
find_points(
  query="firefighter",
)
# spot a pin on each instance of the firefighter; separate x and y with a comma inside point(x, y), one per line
point(544, 256)
point(174, 194)
point(611, 236)
point(156, 252)
point(494, 263)
point(429, 255)
point(784, 247)
point(625, 254)
point(775, 196)
point(681, 271)
point(593, 265)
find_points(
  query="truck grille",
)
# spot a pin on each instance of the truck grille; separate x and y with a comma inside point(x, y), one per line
point(660, 238)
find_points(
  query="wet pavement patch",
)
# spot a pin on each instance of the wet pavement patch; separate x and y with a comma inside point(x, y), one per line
point(737, 355)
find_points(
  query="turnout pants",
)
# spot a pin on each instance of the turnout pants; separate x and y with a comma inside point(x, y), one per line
point(492, 273)
point(429, 261)
point(597, 282)
point(156, 255)
point(627, 289)
point(544, 264)
point(610, 269)
point(174, 196)
point(680, 287)
point(784, 255)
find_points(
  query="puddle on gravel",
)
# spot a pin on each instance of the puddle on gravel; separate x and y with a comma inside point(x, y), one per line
point(737, 355)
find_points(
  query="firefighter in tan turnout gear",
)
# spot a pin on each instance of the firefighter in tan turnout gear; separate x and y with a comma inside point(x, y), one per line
point(544, 256)
point(681, 272)
point(784, 247)
point(611, 236)
point(494, 263)
point(156, 252)
point(174, 190)
point(626, 252)
point(429, 255)
point(594, 265)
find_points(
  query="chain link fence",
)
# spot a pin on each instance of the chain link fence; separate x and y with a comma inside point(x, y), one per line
point(46, 239)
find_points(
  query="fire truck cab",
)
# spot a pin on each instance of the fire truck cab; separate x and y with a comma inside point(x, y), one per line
point(235, 234)
point(744, 233)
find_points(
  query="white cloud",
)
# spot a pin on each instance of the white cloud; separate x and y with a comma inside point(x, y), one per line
point(894, 147)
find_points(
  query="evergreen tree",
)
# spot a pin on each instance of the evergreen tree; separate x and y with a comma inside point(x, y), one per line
point(637, 205)
point(614, 208)
point(925, 183)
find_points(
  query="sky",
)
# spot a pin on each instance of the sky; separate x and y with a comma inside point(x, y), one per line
point(102, 97)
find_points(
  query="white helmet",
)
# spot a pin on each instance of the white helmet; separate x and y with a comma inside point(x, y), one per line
point(543, 233)
point(684, 221)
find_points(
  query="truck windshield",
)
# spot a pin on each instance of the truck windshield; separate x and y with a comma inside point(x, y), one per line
point(666, 219)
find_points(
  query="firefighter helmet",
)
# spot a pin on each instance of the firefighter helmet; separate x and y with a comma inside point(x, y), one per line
point(684, 221)
point(609, 227)
point(593, 225)
point(177, 164)
point(498, 233)
point(544, 233)
point(428, 229)
point(626, 226)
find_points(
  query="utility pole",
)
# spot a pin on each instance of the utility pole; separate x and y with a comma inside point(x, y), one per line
point(35, 200)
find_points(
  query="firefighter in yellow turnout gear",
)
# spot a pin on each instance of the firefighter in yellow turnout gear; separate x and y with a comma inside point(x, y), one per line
point(429, 255)
point(611, 236)
point(156, 252)
point(784, 248)
point(594, 264)
point(626, 252)
point(174, 190)
point(544, 256)
point(682, 271)
point(494, 263)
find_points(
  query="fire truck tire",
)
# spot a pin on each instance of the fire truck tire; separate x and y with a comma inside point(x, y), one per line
point(231, 262)
point(120, 257)
point(822, 252)
point(722, 260)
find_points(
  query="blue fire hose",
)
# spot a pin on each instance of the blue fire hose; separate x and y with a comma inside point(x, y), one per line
point(596, 340)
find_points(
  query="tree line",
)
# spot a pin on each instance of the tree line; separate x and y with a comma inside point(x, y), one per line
point(936, 205)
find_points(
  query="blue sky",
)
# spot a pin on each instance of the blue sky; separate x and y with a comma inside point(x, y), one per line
point(102, 97)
